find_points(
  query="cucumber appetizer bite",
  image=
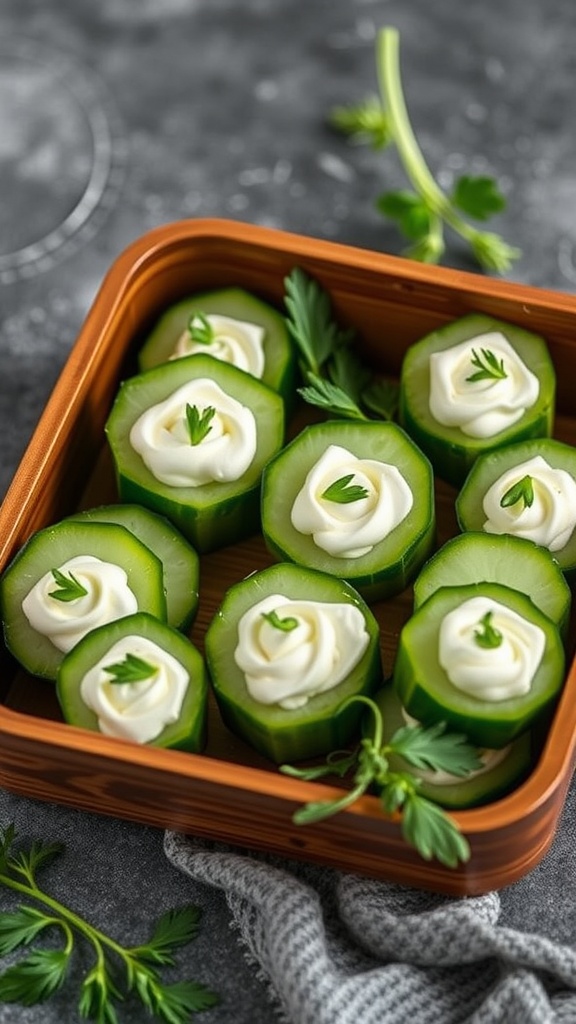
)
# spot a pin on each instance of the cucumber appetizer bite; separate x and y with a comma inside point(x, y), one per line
point(493, 558)
point(482, 658)
point(474, 385)
point(501, 769)
point(286, 648)
point(229, 324)
point(189, 440)
point(137, 679)
point(527, 490)
point(352, 499)
point(180, 561)
point(67, 580)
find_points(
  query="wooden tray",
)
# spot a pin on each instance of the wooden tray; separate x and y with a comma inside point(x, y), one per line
point(230, 793)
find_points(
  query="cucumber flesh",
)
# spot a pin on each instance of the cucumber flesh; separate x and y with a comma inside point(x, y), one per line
point(427, 693)
point(471, 791)
point(279, 356)
point(180, 561)
point(490, 558)
point(394, 561)
point(209, 515)
point(451, 451)
point(491, 466)
point(321, 725)
point(188, 732)
point(54, 546)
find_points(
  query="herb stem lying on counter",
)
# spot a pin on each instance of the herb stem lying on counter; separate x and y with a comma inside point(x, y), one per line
point(40, 974)
point(423, 213)
point(425, 825)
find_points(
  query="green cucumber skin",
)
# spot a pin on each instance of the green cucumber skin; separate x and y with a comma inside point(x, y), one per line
point(479, 557)
point(280, 371)
point(189, 732)
point(426, 693)
point(467, 792)
point(210, 516)
point(279, 734)
point(451, 452)
point(489, 468)
point(179, 559)
point(394, 562)
point(51, 547)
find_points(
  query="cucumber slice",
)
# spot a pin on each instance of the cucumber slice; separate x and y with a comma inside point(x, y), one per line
point(51, 548)
point(289, 734)
point(180, 561)
point(451, 451)
point(491, 467)
point(279, 356)
point(492, 558)
point(427, 693)
point(210, 515)
point(392, 562)
point(188, 732)
point(471, 791)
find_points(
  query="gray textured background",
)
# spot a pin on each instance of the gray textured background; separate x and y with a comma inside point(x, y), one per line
point(121, 115)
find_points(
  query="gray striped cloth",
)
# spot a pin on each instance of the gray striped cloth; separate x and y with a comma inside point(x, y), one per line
point(339, 949)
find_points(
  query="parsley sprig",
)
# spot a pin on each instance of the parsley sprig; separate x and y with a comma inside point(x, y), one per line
point(41, 972)
point(335, 379)
point(200, 329)
point(425, 825)
point(522, 490)
point(343, 491)
point(199, 422)
point(423, 213)
point(131, 669)
point(489, 367)
point(286, 624)
point(486, 635)
point(69, 587)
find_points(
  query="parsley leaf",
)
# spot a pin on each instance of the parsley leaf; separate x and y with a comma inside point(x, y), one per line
point(199, 422)
point(69, 588)
point(131, 670)
point(334, 399)
point(200, 329)
point(489, 366)
point(343, 492)
point(363, 122)
point(287, 624)
point(409, 210)
point(310, 323)
point(522, 490)
point(479, 197)
point(487, 635)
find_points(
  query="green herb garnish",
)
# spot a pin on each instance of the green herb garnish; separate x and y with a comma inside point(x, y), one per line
point(343, 491)
point(70, 588)
point(489, 366)
point(200, 329)
point(287, 624)
point(335, 379)
point(132, 670)
point(523, 491)
point(199, 422)
point(423, 214)
point(425, 825)
point(42, 971)
point(487, 635)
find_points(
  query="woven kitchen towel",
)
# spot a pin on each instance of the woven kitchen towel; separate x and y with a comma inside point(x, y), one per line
point(339, 949)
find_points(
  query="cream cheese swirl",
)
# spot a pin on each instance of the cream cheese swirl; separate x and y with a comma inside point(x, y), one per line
point(490, 673)
point(551, 517)
point(288, 666)
point(233, 341)
point(107, 597)
point(140, 710)
point(483, 407)
point(161, 437)
point(351, 529)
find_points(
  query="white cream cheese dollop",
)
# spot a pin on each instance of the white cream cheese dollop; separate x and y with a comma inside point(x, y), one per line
point(160, 436)
point(490, 673)
point(350, 530)
point(288, 667)
point(488, 756)
point(481, 408)
point(550, 519)
point(64, 623)
point(138, 710)
point(233, 341)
